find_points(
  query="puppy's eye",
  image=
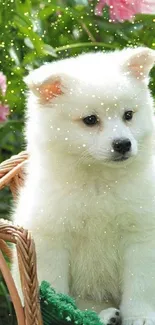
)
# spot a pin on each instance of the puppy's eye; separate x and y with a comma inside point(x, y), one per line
point(90, 120)
point(128, 115)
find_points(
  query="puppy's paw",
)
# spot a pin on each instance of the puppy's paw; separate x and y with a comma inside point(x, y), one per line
point(110, 316)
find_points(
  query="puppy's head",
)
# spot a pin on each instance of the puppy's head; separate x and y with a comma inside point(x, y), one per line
point(96, 107)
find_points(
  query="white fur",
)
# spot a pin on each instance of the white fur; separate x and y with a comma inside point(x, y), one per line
point(93, 220)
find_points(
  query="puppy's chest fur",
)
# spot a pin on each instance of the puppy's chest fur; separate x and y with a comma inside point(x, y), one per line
point(95, 205)
point(97, 218)
point(95, 254)
point(95, 261)
point(101, 219)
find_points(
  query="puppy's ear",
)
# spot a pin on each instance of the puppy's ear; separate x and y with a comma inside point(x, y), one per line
point(140, 62)
point(46, 86)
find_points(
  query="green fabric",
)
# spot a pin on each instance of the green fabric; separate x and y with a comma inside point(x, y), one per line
point(61, 309)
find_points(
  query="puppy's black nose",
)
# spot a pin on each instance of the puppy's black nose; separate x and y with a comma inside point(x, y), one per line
point(121, 145)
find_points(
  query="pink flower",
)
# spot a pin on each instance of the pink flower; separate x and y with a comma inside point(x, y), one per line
point(4, 111)
point(3, 85)
point(126, 9)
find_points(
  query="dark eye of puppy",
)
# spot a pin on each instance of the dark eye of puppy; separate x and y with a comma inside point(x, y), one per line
point(128, 115)
point(90, 120)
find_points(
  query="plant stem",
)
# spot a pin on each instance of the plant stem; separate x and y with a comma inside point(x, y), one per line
point(70, 46)
point(88, 32)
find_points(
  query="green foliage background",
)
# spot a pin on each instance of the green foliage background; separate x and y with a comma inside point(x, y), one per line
point(32, 32)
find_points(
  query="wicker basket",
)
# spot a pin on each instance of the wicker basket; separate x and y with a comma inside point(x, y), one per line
point(11, 174)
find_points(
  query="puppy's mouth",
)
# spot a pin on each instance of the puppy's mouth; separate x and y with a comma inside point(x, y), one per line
point(120, 158)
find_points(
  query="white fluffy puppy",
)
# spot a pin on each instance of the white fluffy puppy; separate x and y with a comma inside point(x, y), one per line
point(89, 194)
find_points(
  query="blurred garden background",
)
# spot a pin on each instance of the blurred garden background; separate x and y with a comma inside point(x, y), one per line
point(37, 31)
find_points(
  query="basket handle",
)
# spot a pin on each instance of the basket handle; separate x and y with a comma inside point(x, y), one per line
point(12, 173)
point(12, 290)
point(31, 314)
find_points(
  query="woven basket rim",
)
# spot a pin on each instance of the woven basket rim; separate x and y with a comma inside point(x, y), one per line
point(12, 175)
point(11, 168)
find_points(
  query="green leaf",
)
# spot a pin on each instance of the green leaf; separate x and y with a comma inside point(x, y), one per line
point(48, 49)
